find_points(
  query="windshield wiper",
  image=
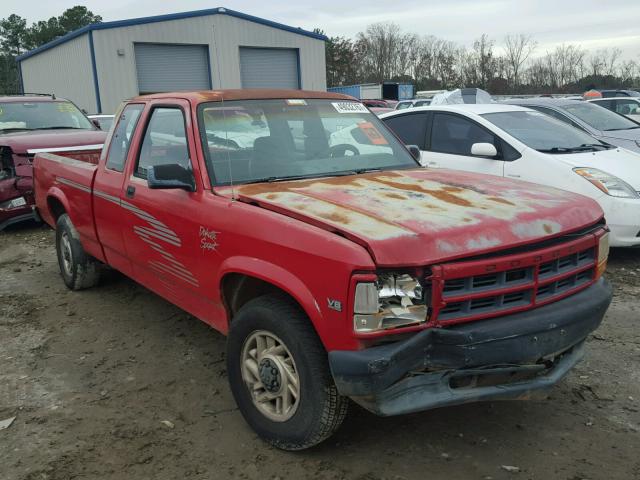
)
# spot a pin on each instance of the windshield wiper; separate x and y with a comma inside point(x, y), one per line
point(60, 128)
point(585, 147)
point(305, 177)
point(17, 129)
point(618, 129)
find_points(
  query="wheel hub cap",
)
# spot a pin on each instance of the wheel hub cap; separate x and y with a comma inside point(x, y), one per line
point(271, 376)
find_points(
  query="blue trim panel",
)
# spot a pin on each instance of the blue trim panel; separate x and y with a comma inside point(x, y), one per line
point(20, 79)
point(94, 69)
point(165, 18)
point(299, 71)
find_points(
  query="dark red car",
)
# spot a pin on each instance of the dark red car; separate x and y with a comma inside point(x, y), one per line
point(30, 124)
point(375, 103)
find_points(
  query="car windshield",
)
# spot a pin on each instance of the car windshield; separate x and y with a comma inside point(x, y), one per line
point(599, 118)
point(543, 133)
point(270, 140)
point(41, 115)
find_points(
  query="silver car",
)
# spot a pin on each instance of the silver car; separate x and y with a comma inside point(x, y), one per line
point(599, 122)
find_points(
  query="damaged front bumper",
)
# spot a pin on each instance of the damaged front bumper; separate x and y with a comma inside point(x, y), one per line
point(501, 358)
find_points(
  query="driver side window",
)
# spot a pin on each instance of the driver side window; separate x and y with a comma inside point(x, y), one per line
point(455, 135)
point(165, 141)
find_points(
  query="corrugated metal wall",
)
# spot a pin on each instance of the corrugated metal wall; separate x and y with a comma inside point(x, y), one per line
point(224, 35)
point(64, 70)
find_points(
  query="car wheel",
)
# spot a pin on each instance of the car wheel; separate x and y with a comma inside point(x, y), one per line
point(279, 375)
point(78, 269)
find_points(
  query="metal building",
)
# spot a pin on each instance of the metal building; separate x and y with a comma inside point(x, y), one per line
point(101, 65)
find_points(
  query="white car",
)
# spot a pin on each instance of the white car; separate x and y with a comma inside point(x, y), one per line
point(518, 142)
point(627, 106)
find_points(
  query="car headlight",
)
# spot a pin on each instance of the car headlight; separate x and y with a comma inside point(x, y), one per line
point(608, 183)
point(394, 300)
point(14, 203)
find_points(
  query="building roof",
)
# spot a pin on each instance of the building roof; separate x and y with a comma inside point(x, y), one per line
point(166, 18)
point(245, 94)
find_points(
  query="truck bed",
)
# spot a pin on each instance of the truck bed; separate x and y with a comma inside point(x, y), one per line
point(65, 180)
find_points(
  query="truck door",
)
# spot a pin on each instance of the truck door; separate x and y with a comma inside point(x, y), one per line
point(163, 227)
point(108, 188)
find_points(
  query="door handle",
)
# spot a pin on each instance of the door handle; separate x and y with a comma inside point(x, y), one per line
point(131, 191)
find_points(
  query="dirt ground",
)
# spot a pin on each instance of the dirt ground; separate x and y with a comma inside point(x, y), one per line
point(91, 377)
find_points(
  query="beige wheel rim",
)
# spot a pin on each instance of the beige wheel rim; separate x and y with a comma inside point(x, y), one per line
point(270, 374)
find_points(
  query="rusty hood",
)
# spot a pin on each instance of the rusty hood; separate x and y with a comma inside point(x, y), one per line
point(421, 216)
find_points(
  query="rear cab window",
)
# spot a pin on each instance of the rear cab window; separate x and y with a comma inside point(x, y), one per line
point(122, 135)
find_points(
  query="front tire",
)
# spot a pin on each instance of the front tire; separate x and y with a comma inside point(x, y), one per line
point(79, 270)
point(279, 375)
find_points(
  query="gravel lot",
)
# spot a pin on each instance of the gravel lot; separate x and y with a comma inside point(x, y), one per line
point(115, 383)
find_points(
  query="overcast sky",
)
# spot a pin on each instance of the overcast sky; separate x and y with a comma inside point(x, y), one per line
point(592, 24)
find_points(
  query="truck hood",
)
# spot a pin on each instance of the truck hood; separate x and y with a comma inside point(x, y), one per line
point(21, 142)
point(620, 162)
point(422, 216)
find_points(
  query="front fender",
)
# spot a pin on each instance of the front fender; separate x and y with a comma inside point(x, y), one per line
point(275, 275)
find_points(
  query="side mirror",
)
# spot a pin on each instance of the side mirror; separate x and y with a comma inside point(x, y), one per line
point(483, 150)
point(415, 151)
point(170, 176)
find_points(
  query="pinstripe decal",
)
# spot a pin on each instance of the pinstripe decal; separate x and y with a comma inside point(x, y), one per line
point(155, 234)
point(73, 184)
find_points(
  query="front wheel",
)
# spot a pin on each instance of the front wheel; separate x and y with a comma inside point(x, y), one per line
point(79, 270)
point(279, 375)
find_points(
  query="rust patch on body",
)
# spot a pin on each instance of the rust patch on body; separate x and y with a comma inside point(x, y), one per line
point(335, 218)
point(501, 200)
point(442, 194)
point(395, 195)
point(547, 228)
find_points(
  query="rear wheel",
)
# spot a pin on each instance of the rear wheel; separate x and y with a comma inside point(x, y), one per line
point(279, 375)
point(78, 269)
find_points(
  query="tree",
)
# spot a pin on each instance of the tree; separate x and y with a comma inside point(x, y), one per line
point(13, 31)
point(71, 19)
point(518, 48)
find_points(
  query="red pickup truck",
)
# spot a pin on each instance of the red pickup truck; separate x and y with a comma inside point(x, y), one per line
point(30, 124)
point(297, 224)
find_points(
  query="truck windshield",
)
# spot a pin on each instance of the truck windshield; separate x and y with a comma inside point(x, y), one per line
point(544, 133)
point(271, 140)
point(600, 118)
point(47, 115)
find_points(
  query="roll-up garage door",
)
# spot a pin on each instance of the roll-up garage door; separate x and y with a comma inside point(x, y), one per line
point(269, 68)
point(167, 68)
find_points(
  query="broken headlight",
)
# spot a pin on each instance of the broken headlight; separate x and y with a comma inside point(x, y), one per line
point(394, 300)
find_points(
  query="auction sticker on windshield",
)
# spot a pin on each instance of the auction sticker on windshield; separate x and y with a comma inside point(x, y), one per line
point(372, 133)
point(349, 107)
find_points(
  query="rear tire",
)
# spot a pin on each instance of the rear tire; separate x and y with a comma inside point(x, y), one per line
point(78, 269)
point(273, 338)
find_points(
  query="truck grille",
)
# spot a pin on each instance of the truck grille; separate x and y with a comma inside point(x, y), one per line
point(466, 291)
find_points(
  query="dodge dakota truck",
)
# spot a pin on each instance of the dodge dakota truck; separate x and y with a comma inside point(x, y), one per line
point(299, 226)
point(30, 124)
